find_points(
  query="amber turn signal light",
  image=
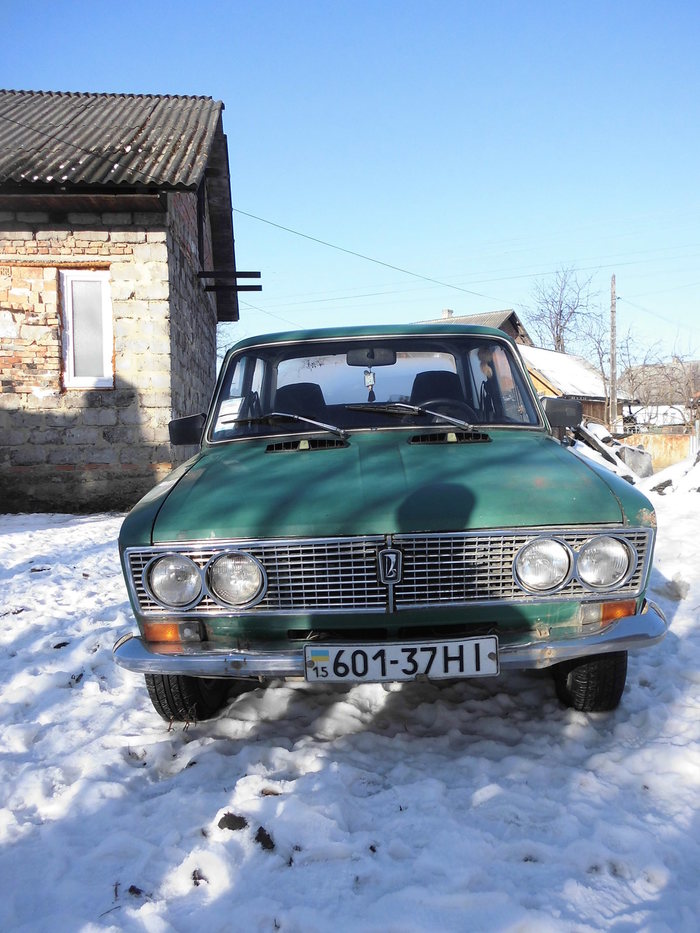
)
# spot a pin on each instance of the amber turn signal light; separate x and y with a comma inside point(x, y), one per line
point(611, 612)
point(161, 631)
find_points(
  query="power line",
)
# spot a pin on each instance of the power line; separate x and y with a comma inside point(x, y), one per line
point(659, 316)
point(350, 252)
point(279, 317)
point(107, 158)
point(672, 288)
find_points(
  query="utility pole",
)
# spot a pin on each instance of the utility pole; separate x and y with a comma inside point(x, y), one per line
point(613, 356)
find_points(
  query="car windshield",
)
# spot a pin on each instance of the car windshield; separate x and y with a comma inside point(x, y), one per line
point(371, 383)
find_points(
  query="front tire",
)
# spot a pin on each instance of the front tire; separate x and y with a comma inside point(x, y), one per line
point(178, 698)
point(592, 684)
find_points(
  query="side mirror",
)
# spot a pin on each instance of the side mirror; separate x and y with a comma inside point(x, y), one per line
point(187, 430)
point(563, 412)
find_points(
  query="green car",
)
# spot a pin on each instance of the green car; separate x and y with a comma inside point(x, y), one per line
point(384, 504)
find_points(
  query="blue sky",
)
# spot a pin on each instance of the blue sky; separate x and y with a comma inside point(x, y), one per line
point(484, 145)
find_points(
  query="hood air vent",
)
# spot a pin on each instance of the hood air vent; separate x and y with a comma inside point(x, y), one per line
point(451, 437)
point(312, 443)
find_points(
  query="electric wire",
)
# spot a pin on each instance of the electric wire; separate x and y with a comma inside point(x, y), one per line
point(351, 252)
point(106, 158)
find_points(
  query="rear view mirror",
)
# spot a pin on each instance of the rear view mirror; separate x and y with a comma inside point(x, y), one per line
point(563, 412)
point(371, 356)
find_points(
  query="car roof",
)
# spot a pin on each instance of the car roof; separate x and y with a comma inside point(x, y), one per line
point(370, 330)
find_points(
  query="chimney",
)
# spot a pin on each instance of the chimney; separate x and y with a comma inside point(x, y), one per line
point(447, 312)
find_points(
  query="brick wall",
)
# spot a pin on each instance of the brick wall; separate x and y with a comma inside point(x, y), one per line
point(68, 449)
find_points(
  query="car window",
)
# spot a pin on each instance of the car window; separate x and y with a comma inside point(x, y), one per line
point(470, 378)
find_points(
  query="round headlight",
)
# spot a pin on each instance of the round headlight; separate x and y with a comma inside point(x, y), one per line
point(603, 562)
point(175, 580)
point(542, 565)
point(235, 578)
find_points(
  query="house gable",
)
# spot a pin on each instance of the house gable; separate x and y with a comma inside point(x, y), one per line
point(507, 321)
point(149, 224)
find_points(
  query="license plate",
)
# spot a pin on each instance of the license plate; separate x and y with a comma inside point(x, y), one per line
point(437, 660)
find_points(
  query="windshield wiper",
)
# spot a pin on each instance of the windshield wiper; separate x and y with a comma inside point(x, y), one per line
point(273, 416)
point(402, 408)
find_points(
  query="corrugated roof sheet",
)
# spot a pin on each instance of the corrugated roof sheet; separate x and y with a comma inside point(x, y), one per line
point(105, 139)
point(486, 319)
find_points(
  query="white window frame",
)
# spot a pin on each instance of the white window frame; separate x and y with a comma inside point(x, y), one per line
point(71, 381)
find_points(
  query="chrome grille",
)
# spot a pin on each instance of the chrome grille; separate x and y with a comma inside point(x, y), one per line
point(341, 574)
point(455, 569)
point(303, 576)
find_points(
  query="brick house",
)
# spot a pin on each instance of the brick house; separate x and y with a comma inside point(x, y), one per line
point(116, 263)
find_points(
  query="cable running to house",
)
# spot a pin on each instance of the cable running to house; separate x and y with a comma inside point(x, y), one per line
point(350, 252)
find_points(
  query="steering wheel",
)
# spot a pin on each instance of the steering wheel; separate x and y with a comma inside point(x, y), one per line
point(465, 411)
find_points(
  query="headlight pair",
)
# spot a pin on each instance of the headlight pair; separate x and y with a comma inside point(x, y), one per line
point(546, 564)
point(234, 579)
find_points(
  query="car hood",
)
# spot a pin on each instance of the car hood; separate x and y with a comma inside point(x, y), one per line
point(381, 483)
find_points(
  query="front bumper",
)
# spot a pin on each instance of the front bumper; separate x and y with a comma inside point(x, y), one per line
point(201, 660)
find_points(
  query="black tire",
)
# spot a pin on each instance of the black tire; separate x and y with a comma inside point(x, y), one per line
point(592, 684)
point(178, 698)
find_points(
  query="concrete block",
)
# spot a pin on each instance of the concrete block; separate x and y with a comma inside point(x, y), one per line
point(127, 236)
point(17, 234)
point(131, 416)
point(152, 291)
point(87, 436)
point(636, 459)
point(155, 271)
point(48, 235)
point(159, 310)
point(102, 455)
point(85, 219)
point(160, 380)
point(140, 453)
point(28, 454)
point(117, 220)
point(148, 219)
point(62, 455)
point(32, 217)
point(15, 438)
point(151, 252)
point(122, 271)
point(96, 236)
point(100, 416)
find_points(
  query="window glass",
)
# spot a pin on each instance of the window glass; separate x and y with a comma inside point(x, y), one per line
point(88, 332)
point(468, 377)
point(343, 384)
point(88, 344)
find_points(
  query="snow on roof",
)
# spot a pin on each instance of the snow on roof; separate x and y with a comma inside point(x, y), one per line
point(571, 375)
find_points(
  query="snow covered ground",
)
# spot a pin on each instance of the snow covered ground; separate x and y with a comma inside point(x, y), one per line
point(470, 806)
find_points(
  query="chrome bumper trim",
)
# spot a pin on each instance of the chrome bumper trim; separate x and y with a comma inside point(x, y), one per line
point(130, 652)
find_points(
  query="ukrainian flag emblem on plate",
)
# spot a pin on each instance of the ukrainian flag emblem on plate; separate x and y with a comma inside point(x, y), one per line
point(320, 655)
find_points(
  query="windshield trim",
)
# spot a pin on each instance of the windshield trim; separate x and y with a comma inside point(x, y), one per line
point(262, 344)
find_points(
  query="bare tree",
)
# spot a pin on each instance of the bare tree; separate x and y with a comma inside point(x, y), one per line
point(656, 382)
point(561, 309)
